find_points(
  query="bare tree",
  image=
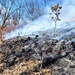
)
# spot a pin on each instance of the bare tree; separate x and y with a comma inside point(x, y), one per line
point(9, 9)
point(6, 13)
point(33, 9)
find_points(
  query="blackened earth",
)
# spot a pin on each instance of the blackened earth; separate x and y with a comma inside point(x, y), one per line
point(59, 55)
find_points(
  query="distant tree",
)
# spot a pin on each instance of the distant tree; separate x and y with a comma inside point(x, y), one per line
point(56, 11)
point(33, 9)
point(46, 2)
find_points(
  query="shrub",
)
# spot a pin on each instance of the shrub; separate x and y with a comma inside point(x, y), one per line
point(56, 11)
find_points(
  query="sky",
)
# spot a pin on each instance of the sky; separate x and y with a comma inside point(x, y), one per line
point(44, 22)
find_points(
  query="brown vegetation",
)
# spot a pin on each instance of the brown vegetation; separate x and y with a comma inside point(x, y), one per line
point(4, 30)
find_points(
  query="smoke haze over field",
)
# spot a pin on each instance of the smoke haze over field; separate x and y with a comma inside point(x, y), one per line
point(44, 22)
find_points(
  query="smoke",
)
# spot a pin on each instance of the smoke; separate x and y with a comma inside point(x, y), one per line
point(68, 11)
point(40, 24)
point(44, 22)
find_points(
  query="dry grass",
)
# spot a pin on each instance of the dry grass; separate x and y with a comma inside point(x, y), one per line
point(3, 31)
point(43, 72)
point(21, 67)
point(26, 67)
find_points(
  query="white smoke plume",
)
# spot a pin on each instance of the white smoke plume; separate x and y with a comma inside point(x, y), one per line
point(44, 22)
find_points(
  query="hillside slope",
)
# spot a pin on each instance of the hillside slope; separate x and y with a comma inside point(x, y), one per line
point(50, 56)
